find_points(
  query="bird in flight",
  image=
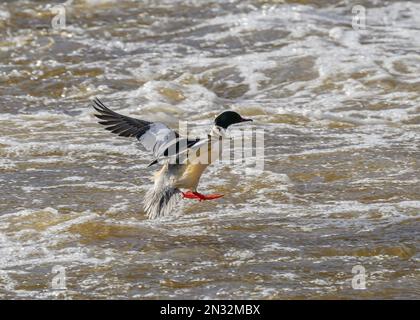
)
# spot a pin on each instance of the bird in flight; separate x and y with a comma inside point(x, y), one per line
point(183, 159)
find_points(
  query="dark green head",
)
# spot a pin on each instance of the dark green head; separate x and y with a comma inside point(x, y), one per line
point(227, 118)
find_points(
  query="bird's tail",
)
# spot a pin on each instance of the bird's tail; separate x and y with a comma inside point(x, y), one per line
point(160, 201)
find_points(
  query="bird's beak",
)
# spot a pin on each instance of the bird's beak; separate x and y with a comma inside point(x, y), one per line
point(245, 120)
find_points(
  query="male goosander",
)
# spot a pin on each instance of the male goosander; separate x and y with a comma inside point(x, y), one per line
point(181, 157)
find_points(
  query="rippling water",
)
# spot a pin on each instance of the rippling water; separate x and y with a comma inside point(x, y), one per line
point(340, 111)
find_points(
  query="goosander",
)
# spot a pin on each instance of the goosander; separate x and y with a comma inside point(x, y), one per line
point(183, 159)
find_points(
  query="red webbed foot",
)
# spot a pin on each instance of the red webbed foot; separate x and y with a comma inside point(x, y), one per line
point(199, 196)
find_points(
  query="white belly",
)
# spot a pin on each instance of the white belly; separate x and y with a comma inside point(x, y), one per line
point(191, 176)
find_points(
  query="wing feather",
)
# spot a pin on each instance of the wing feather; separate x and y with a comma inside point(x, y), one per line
point(155, 137)
point(118, 123)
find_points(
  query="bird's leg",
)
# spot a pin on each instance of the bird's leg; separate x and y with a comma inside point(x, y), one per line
point(199, 196)
point(189, 195)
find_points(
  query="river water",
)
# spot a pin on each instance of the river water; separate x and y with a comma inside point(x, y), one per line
point(339, 107)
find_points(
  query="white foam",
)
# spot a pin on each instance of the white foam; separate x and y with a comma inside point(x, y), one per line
point(73, 178)
point(4, 14)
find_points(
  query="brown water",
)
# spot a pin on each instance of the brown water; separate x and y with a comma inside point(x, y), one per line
point(340, 187)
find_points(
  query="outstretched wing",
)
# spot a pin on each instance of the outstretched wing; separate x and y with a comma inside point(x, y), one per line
point(155, 137)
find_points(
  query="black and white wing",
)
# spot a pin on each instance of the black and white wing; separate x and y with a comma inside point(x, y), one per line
point(155, 137)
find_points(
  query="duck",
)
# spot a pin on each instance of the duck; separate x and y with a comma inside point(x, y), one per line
point(182, 159)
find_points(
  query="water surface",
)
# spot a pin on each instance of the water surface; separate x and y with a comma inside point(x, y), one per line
point(340, 112)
